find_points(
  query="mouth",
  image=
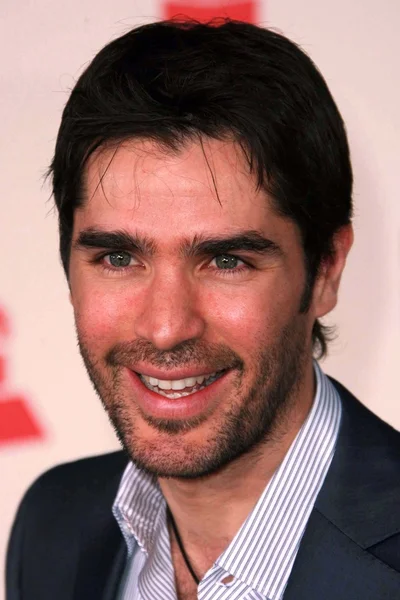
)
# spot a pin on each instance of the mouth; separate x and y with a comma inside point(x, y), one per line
point(173, 389)
point(192, 395)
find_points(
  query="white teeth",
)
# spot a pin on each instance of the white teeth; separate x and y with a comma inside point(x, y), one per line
point(164, 384)
point(159, 385)
point(176, 394)
point(179, 384)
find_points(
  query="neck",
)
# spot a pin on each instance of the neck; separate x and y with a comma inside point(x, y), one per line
point(209, 511)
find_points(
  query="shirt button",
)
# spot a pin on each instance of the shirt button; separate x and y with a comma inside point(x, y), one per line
point(227, 580)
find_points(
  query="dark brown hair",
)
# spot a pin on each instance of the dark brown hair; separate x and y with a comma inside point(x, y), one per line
point(176, 80)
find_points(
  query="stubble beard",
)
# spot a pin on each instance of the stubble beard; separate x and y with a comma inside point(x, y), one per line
point(255, 417)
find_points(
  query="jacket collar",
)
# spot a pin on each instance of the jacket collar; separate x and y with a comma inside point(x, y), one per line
point(357, 507)
point(361, 492)
point(330, 565)
point(102, 549)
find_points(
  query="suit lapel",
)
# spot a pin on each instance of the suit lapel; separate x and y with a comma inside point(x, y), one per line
point(102, 549)
point(330, 565)
point(114, 577)
point(356, 508)
point(362, 488)
point(101, 561)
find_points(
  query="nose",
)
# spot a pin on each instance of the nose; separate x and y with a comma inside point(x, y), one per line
point(170, 311)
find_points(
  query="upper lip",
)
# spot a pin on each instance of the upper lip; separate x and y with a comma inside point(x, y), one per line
point(172, 374)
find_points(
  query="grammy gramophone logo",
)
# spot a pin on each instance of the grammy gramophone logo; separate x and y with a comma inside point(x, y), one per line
point(17, 420)
point(205, 10)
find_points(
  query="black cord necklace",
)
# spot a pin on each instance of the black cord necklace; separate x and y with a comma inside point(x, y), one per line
point(181, 548)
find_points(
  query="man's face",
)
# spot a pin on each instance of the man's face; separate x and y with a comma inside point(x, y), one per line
point(186, 287)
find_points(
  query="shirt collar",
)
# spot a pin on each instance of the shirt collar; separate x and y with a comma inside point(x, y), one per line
point(138, 508)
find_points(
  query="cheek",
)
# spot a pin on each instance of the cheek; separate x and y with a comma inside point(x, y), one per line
point(101, 318)
point(249, 317)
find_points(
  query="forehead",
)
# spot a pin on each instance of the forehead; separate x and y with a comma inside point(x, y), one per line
point(204, 187)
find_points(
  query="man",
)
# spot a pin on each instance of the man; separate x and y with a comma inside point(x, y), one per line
point(203, 184)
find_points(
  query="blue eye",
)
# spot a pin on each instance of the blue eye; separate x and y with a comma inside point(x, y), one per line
point(226, 261)
point(118, 259)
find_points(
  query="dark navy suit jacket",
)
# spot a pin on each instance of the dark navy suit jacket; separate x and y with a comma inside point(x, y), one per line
point(66, 545)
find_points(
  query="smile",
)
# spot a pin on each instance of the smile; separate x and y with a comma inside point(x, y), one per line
point(179, 388)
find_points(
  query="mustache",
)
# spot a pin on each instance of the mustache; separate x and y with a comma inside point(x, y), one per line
point(216, 357)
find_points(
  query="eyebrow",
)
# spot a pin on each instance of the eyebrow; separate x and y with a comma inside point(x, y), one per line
point(250, 241)
point(200, 245)
point(115, 240)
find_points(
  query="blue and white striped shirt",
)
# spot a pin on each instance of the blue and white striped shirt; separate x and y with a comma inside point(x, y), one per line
point(261, 555)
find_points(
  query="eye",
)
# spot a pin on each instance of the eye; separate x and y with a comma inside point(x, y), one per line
point(118, 259)
point(227, 261)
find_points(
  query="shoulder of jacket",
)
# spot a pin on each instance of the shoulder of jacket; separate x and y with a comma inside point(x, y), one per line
point(75, 482)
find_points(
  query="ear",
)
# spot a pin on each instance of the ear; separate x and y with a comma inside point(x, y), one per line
point(326, 286)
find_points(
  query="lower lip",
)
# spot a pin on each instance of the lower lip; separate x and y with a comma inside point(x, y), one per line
point(186, 407)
